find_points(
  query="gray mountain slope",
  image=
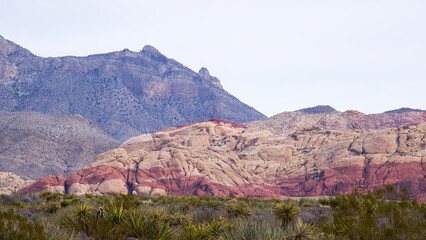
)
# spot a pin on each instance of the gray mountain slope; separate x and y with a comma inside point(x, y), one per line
point(33, 145)
point(125, 93)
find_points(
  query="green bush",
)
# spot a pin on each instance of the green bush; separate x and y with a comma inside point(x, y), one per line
point(179, 219)
point(65, 203)
point(366, 215)
point(306, 202)
point(324, 201)
point(15, 226)
point(50, 207)
point(238, 209)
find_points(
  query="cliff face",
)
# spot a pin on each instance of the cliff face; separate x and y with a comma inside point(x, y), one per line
point(326, 117)
point(221, 158)
point(125, 93)
point(33, 145)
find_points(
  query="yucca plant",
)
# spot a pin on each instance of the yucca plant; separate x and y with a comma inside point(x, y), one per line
point(217, 227)
point(144, 226)
point(286, 212)
point(115, 212)
point(195, 232)
point(137, 225)
point(164, 231)
point(239, 209)
point(300, 231)
point(81, 211)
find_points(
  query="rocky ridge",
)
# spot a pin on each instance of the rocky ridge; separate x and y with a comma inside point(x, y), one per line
point(220, 158)
point(326, 117)
point(33, 145)
point(125, 93)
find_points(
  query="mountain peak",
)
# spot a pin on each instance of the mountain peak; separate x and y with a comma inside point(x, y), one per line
point(150, 49)
point(318, 109)
point(204, 72)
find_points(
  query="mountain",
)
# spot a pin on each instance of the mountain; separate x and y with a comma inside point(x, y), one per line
point(33, 145)
point(125, 93)
point(223, 158)
point(328, 118)
point(404, 110)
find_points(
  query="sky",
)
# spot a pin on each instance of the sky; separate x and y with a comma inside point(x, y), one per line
point(276, 56)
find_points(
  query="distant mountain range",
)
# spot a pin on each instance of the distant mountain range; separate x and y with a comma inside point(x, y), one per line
point(327, 117)
point(125, 93)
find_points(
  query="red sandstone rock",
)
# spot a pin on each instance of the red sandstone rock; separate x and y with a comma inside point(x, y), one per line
point(219, 158)
point(46, 184)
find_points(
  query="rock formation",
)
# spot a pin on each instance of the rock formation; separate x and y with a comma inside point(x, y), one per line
point(33, 145)
point(10, 183)
point(328, 118)
point(222, 158)
point(125, 93)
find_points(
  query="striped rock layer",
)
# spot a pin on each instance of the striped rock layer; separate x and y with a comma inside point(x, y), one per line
point(222, 158)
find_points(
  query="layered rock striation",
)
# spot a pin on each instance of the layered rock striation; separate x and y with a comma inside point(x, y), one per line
point(125, 93)
point(221, 158)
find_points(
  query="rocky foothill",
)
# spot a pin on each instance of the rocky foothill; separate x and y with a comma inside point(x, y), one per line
point(221, 158)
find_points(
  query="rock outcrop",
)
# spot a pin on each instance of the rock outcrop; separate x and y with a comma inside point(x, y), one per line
point(10, 183)
point(220, 158)
point(33, 145)
point(53, 184)
point(326, 117)
point(125, 93)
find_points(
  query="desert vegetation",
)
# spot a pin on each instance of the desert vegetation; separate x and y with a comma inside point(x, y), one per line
point(383, 214)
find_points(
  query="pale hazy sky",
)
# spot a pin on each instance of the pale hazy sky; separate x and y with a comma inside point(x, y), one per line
point(276, 56)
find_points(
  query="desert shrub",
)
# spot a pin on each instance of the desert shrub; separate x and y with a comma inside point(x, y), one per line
point(65, 203)
point(129, 201)
point(324, 201)
point(214, 204)
point(83, 218)
point(15, 226)
point(51, 197)
point(179, 219)
point(148, 226)
point(193, 201)
point(55, 233)
point(305, 202)
point(300, 230)
point(239, 209)
point(366, 215)
point(308, 204)
point(50, 207)
point(88, 195)
point(195, 232)
point(203, 215)
point(218, 227)
point(69, 196)
point(249, 230)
